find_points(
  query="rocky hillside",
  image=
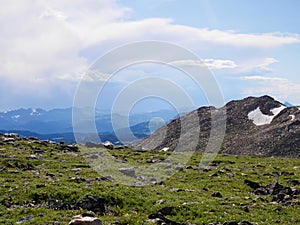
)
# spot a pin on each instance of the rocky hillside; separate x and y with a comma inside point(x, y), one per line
point(254, 126)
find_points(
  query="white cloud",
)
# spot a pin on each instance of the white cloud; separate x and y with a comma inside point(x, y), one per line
point(264, 40)
point(51, 12)
point(47, 38)
point(258, 65)
point(210, 63)
point(220, 63)
point(95, 76)
point(254, 66)
point(189, 63)
point(49, 42)
point(266, 62)
point(262, 78)
point(280, 88)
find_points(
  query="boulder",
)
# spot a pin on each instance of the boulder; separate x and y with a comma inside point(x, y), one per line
point(167, 210)
point(217, 195)
point(94, 204)
point(71, 148)
point(252, 184)
point(93, 145)
point(108, 145)
point(80, 220)
point(12, 135)
point(128, 171)
point(294, 182)
point(8, 140)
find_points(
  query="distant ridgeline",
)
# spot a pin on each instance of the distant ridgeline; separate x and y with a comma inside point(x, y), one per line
point(56, 125)
point(254, 126)
point(83, 137)
point(12, 138)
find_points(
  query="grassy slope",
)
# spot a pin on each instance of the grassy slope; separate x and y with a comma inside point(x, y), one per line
point(133, 204)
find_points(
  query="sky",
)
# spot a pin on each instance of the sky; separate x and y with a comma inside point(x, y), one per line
point(252, 48)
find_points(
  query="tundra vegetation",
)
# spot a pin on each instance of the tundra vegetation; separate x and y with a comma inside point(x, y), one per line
point(47, 183)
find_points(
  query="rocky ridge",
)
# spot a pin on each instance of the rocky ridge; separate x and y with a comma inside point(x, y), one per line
point(254, 126)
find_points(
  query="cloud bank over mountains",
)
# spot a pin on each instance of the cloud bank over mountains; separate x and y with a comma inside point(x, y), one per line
point(46, 46)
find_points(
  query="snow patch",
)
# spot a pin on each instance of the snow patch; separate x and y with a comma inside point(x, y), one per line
point(7, 111)
point(260, 119)
point(15, 117)
point(276, 111)
point(292, 117)
point(34, 113)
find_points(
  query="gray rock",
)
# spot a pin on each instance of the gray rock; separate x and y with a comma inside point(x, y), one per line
point(128, 171)
point(24, 220)
point(33, 157)
point(2, 168)
point(160, 201)
point(78, 179)
point(176, 190)
point(93, 145)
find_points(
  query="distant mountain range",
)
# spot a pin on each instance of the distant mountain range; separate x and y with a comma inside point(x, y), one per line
point(56, 124)
point(254, 126)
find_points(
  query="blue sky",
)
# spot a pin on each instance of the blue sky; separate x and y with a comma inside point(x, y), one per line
point(251, 47)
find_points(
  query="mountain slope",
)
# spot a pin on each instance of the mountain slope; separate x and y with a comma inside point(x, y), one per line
point(254, 126)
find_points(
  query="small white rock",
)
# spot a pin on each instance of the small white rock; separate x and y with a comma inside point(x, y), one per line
point(79, 220)
point(165, 149)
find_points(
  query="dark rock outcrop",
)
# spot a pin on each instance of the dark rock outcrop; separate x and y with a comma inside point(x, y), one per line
point(95, 204)
point(281, 194)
